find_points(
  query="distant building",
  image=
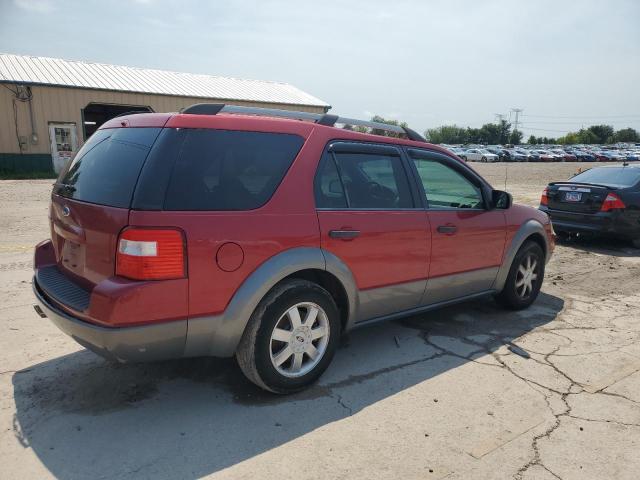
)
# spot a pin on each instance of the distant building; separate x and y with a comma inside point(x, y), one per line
point(49, 107)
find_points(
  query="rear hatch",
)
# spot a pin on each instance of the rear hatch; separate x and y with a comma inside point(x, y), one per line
point(91, 200)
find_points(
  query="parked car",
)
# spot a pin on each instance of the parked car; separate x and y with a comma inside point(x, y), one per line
point(566, 156)
point(599, 201)
point(599, 156)
point(543, 156)
point(458, 151)
point(223, 231)
point(583, 156)
point(513, 155)
point(480, 155)
point(525, 153)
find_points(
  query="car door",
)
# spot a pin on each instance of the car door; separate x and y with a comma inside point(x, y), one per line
point(467, 238)
point(370, 219)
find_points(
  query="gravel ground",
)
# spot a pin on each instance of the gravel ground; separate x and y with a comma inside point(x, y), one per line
point(471, 391)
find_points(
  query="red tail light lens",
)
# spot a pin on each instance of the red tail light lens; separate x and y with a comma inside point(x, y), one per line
point(612, 202)
point(151, 254)
point(544, 199)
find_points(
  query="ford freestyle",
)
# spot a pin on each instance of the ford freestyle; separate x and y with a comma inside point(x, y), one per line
point(266, 234)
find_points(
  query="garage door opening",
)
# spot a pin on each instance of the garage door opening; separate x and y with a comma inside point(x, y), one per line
point(95, 114)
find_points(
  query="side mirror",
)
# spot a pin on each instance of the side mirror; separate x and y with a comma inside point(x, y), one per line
point(501, 200)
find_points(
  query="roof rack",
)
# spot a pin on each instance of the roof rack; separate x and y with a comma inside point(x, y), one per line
point(325, 119)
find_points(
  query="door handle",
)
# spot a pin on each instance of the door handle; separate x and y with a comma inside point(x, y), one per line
point(344, 234)
point(447, 229)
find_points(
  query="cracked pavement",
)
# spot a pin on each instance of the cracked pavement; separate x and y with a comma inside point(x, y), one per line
point(471, 391)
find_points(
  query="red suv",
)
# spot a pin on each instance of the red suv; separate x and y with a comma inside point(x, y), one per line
point(266, 234)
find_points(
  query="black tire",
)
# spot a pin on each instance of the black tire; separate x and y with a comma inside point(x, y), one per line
point(510, 296)
point(484, 159)
point(254, 351)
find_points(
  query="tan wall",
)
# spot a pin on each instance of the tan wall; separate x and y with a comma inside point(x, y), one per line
point(56, 104)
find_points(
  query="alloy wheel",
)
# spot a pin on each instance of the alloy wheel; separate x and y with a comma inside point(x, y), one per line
point(299, 339)
point(526, 276)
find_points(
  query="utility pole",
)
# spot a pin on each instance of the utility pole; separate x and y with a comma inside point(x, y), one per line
point(517, 111)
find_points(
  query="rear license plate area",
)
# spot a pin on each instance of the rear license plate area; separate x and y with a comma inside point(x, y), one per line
point(573, 197)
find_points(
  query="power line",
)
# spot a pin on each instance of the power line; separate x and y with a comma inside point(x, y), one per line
point(575, 122)
point(633, 115)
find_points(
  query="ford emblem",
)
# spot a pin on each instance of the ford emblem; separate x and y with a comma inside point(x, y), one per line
point(66, 211)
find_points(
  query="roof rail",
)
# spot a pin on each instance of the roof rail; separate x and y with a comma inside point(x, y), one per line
point(132, 112)
point(326, 119)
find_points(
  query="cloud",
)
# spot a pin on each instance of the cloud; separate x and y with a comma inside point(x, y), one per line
point(36, 6)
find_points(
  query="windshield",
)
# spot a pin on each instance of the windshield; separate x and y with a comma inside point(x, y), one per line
point(620, 177)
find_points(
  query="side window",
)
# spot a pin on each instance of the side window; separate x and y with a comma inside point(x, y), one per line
point(373, 180)
point(328, 186)
point(447, 188)
point(229, 170)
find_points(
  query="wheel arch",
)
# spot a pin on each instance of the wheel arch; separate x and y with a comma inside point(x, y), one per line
point(219, 335)
point(531, 230)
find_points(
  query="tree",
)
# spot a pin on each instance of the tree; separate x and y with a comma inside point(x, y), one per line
point(490, 133)
point(379, 119)
point(603, 133)
point(532, 140)
point(451, 134)
point(587, 137)
point(515, 138)
point(505, 129)
point(626, 135)
point(569, 139)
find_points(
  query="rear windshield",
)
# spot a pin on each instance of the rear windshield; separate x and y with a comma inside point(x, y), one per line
point(106, 168)
point(229, 170)
point(620, 177)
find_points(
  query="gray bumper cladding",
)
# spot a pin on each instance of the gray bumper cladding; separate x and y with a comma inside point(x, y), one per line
point(124, 344)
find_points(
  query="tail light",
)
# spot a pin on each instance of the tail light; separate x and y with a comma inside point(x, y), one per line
point(544, 199)
point(612, 202)
point(151, 254)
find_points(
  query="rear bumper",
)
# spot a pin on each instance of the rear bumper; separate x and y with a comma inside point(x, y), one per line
point(125, 344)
point(602, 223)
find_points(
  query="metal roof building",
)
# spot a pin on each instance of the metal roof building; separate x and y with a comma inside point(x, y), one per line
point(50, 106)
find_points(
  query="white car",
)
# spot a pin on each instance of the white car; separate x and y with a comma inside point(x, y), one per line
point(480, 155)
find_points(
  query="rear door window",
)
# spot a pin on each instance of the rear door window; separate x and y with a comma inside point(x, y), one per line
point(106, 168)
point(229, 170)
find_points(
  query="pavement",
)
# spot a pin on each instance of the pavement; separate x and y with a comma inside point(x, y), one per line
point(470, 391)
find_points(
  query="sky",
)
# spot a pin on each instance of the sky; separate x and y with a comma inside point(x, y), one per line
point(566, 64)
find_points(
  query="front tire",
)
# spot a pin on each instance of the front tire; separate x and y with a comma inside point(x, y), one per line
point(291, 337)
point(524, 279)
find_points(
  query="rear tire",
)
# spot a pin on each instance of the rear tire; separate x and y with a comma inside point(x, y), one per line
point(524, 279)
point(291, 337)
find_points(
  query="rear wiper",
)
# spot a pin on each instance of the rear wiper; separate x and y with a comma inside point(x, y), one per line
point(67, 188)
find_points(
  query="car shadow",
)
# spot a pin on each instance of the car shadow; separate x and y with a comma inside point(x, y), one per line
point(189, 418)
point(601, 245)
